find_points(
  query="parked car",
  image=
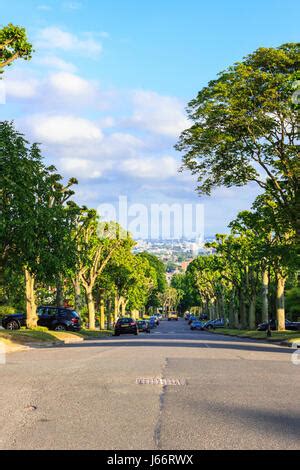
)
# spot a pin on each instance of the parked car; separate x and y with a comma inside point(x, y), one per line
point(159, 316)
point(212, 324)
point(156, 320)
point(196, 325)
point(203, 316)
point(152, 323)
point(54, 318)
point(143, 326)
point(289, 325)
point(172, 316)
point(191, 319)
point(126, 325)
point(14, 321)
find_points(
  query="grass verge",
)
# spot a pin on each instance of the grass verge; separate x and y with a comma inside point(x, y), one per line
point(276, 335)
point(24, 336)
point(90, 334)
point(44, 336)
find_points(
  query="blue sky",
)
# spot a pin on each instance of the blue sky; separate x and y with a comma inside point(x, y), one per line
point(106, 90)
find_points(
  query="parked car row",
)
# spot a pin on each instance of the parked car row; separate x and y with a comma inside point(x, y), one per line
point(54, 318)
point(196, 323)
point(67, 319)
point(289, 325)
point(211, 324)
point(199, 323)
point(127, 325)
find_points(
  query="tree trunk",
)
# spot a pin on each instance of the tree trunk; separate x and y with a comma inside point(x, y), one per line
point(233, 313)
point(243, 314)
point(123, 306)
point(102, 315)
point(31, 315)
point(265, 293)
point(116, 308)
point(77, 293)
point(91, 308)
point(252, 308)
point(109, 315)
point(280, 311)
point(59, 292)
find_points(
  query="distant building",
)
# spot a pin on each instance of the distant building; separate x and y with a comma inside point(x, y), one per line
point(184, 265)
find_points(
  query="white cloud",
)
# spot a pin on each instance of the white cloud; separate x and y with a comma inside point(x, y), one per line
point(81, 168)
point(71, 85)
point(52, 61)
point(159, 114)
point(19, 88)
point(55, 38)
point(62, 129)
point(150, 167)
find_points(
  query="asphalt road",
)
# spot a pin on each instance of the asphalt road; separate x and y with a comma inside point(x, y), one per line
point(235, 394)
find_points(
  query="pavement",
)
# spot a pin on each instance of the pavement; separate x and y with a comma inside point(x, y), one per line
point(225, 393)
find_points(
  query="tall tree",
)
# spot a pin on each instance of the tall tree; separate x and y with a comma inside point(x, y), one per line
point(96, 242)
point(245, 128)
point(34, 223)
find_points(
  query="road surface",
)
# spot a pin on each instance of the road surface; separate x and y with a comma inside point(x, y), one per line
point(233, 394)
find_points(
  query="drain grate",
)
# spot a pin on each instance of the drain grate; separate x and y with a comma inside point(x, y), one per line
point(159, 381)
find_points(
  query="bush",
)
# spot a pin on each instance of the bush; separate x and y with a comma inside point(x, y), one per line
point(293, 303)
point(6, 310)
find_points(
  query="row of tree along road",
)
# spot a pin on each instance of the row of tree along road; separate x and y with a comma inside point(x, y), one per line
point(245, 129)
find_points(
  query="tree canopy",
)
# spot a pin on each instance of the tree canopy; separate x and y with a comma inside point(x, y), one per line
point(13, 45)
point(246, 128)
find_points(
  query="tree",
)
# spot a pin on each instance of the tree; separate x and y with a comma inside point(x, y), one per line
point(13, 45)
point(170, 298)
point(244, 120)
point(96, 242)
point(161, 280)
point(34, 223)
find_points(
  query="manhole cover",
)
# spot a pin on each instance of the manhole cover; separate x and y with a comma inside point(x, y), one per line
point(159, 381)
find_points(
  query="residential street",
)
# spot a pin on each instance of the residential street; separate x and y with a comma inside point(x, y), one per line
point(235, 394)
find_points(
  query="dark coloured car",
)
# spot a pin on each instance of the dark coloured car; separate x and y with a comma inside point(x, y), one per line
point(203, 316)
point(54, 318)
point(14, 321)
point(143, 326)
point(125, 326)
point(289, 325)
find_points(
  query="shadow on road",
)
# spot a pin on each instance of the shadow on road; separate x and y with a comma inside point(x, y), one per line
point(265, 420)
point(243, 345)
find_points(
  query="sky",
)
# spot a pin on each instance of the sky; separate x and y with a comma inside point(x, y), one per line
point(106, 90)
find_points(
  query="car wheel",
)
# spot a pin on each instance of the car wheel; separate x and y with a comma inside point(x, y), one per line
point(60, 327)
point(12, 325)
